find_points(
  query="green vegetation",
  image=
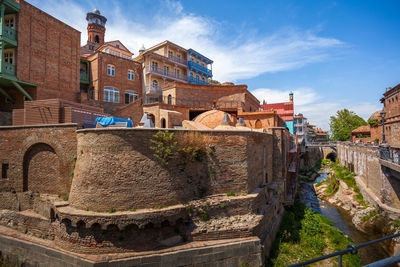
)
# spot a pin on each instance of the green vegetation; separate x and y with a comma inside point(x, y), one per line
point(164, 146)
point(204, 215)
point(396, 223)
point(372, 213)
point(373, 123)
point(190, 209)
point(376, 140)
point(222, 206)
point(185, 147)
point(344, 174)
point(133, 210)
point(343, 123)
point(112, 210)
point(71, 174)
point(66, 198)
point(159, 207)
point(304, 235)
point(230, 193)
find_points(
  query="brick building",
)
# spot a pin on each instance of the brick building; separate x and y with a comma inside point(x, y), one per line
point(391, 104)
point(107, 71)
point(39, 56)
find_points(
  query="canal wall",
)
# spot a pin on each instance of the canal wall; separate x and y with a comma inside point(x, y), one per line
point(378, 180)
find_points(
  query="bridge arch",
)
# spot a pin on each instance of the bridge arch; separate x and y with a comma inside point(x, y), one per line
point(332, 156)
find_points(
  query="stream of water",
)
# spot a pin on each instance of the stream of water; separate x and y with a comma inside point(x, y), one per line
point(342, 220)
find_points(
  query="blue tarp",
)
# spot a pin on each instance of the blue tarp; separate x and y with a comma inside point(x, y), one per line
point(290, 126)
point(105, 121)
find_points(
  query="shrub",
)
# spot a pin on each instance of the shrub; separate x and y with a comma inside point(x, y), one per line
point(230, 193)
point(222, 206)
point(204, 216)
point(112, 210)
point(373, 213)
point(65, 198)
point(190, 209)
point(373, 123)
point(164, 146)
point(133, 210)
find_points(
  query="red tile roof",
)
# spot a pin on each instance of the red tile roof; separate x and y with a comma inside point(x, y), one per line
point(362, 129)
point(285, 110)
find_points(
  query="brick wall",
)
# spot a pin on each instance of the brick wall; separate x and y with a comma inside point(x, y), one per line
point(48, 54)
point(131, 177)
point(39, 158)
point(100, 79)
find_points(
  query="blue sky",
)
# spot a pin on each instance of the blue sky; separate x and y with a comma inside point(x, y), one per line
point(332, 54)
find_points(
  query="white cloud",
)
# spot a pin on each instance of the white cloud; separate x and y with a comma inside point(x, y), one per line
point(241, 56)
point(314, 107)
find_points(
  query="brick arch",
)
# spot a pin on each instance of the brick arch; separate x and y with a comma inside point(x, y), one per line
point(41, 169)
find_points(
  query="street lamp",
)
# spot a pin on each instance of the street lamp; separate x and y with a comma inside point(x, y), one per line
point(383, 114)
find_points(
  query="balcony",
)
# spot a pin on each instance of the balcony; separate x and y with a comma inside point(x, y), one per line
point(153, 90)
point(7, 68)
point(161, 72)
point(195, 66)
point(10, 36)
point(390, 154)
point(197, 81)
point(84, 78)
point(178, 60)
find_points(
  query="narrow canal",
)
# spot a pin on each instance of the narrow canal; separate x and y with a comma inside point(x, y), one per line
point(342, 220)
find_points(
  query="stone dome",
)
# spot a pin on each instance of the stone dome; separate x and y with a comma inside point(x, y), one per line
point(376, 115)
point(213, 118)
point(96, 11)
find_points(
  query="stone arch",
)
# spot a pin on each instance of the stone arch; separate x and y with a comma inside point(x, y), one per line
point(163, 123)
point(66, 222)
point(41, 169)
point(332, 156)
point(258, 124)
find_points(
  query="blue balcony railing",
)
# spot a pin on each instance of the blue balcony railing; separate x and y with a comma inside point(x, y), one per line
point(196, 66)
point(197, 81)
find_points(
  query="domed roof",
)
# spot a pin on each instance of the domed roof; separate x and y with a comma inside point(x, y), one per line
point(96, 11)
point(376, 115)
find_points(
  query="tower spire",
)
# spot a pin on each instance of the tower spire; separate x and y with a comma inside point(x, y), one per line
point(96, 27)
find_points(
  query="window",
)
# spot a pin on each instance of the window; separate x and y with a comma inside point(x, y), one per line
point(170, 99)
point(9, 22)
point(4, 170)
point(197, 77)
point(179, 57)
point(111, 94)
point(131, 75)
point(154, 65)
point(166, 70)
point(110, 70)
point(130, 96)
point(9, 56)
point(117, 45)
point(170, 54)
point(177, 73)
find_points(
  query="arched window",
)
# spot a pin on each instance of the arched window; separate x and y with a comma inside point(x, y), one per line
point(96, 39)
point(163, 123)
point(111, 94)
point(258, 124)
point(130, 96)
point(170, 99)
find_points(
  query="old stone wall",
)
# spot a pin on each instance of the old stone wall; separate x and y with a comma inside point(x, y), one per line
point(379, 184)
point(37, 158)
point(117, 169)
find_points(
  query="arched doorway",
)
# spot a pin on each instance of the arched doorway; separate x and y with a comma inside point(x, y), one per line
point(163, 123)
point(258, 124)
point(41, 170)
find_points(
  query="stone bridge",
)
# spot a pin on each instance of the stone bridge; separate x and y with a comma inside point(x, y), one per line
point(314, 152)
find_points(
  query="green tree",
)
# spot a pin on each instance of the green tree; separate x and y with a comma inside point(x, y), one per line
point(343, 123)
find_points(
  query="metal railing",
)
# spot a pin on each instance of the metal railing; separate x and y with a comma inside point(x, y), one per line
point(156, 70)
point(198, 81)
point(197, 66)
point(153, 90)
point(177, 60)
point(390, 154)
point(351, 249)
point(191, 103)
point(327, 143)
